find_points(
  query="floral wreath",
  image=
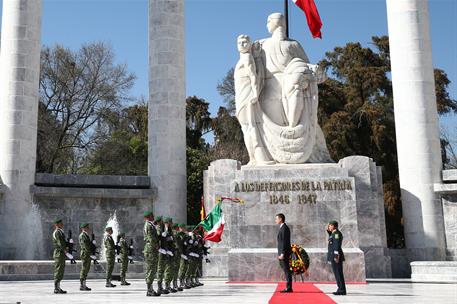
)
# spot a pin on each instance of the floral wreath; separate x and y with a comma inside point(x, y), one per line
point(299, 260)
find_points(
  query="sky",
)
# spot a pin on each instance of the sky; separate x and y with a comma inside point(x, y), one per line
point(213, 25)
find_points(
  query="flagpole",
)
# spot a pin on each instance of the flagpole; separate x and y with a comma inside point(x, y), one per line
point(286, 16)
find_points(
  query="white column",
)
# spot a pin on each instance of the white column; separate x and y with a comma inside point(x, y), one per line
point(19, 79)
point(416, 122)
point(167, 108)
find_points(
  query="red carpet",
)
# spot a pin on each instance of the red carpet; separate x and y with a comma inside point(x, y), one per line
point(304, 293)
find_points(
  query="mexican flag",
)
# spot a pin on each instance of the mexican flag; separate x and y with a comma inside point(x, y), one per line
point(213, 224)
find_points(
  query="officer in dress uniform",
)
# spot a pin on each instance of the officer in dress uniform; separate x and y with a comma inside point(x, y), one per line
point(60, 250)
point(110, 254)
point(183, 239)
point(335, 255)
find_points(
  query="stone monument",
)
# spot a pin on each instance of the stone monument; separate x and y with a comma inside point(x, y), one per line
point(290, 171)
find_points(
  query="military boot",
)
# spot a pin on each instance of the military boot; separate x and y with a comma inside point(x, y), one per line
point(57, 288)
point(175, 286)
point(109, 284)
point(198, 282)
point(189, 283)
point(60, 289)
point(151, 292)
point(169, 288)
point(160, 289)
point(124, 282)
point(182, 284)
point(83, 286)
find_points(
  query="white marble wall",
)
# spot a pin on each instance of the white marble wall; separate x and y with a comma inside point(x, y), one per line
point(417, 132)
point(19, 77)
point(167, 112)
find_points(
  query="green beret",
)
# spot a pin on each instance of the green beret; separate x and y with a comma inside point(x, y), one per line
point(147, 213)
point(175, 225)
point(190, 227)
point(158, 218)
point(333, 222)
point(167, 220)
point(108, 228)
point(121, 234)
point(57, 221)
point(182, 226)
point(83, 225)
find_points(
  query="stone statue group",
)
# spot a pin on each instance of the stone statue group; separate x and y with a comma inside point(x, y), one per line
point(276, 99)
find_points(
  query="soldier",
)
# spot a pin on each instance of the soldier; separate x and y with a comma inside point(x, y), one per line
point(178, 245)
point(60, 250)
point(124, 257)
point(193, 260)
point(85, 244)
point(335, 256)
point(110, 254)
point(151, 245)
point(165, 256)
point(200, 252)
point(183, 238)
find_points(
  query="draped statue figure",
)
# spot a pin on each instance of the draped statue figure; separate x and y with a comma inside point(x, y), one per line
point(276, 98)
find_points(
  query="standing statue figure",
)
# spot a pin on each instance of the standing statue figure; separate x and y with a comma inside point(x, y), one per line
point(247, 89)
point(276, 98)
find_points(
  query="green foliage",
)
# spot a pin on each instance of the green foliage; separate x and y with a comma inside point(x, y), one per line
point(197, 162)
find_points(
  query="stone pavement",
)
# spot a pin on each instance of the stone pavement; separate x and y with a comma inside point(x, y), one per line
point(40, 292)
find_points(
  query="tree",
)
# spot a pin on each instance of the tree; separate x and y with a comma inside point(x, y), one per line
point(197, 162)
point(357, 115)
point(124, 148)
point(77, 88)
point(198, 121)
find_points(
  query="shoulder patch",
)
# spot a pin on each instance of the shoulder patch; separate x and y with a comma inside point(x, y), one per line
point(337, 236)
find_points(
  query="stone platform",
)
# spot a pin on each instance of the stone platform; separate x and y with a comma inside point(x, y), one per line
point(431, 271)
point(309, 195)
point(43, 270)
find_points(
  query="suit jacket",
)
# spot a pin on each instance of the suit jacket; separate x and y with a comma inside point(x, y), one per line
point(284, 240)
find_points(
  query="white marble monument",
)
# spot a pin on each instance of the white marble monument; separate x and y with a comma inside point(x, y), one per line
point(276, 99)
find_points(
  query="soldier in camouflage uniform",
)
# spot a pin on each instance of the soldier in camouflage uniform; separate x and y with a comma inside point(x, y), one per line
point(124, 257)
point(176, 257)
point(60, 250)
point(151, 245)
point(200, 252)
point(85, 244)
point(165, 256)
point(193, 260)
point(110, 254)
point(183, 238)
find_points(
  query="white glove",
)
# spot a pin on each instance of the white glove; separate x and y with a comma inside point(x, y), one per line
point(93, 257)
point(164, 234)
point(69, 256)
point(94, 242)
point(130, 257)
point(184, 257)
point(170, 253)
point(191, 242)
point(162, 251)
point(71, 241)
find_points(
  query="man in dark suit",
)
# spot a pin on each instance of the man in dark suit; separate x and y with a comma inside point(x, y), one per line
point(284, 249)
point(335, 256)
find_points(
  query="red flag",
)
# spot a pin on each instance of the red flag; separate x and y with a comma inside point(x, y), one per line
point(312, 15)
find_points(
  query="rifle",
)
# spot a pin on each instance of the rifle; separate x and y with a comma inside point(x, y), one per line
point(70, 245)
point(131, 252)
point(118, 248)
point(93, 249)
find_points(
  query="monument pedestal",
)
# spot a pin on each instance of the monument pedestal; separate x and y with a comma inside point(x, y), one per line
point(309, 195)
